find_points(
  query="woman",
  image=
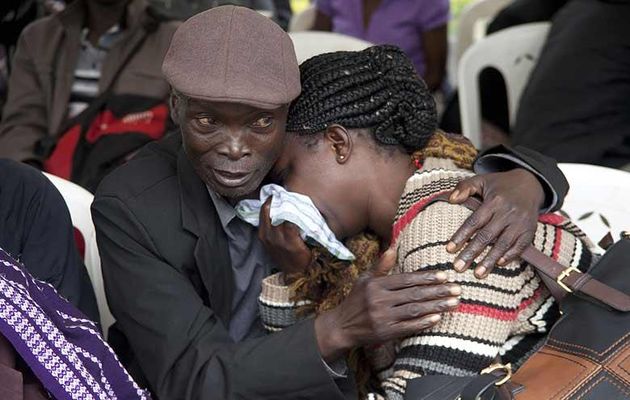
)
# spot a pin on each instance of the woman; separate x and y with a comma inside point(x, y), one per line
point(364, 147)
point(418, 27)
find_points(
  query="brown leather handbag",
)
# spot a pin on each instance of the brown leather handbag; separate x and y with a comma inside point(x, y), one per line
point(587, 353)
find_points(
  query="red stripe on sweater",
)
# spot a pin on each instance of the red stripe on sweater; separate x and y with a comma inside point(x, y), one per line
point(556, 244)
point(552, 219)
point(491, 312)
point(413, 211)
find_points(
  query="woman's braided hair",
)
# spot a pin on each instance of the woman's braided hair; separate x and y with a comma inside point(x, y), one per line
point(377, 88)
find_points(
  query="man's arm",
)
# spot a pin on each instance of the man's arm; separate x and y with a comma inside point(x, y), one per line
point(184, 350)
point(502, 158)
point(24, 118)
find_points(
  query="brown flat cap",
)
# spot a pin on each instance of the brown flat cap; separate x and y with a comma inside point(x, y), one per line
point(233, 54)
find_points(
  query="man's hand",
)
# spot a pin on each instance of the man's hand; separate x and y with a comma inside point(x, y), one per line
point(507, 218)
point(283, 243)
point(381, 307)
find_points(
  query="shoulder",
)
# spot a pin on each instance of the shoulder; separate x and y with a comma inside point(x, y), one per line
point(41, 30)
point(18, 178)
point(436, 176)
point(153, 168)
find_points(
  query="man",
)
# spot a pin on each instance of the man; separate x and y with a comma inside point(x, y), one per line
point(575, 106)
point(63, 62)
point(183, 275)
point(36, 230)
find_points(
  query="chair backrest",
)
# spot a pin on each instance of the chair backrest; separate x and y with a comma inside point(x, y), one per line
point(303, 21)
point(473, 20)
point(598, 200)
point(78, 201)
point(514, 53)
point(310, 44)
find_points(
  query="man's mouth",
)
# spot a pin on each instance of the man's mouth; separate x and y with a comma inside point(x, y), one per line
point(232, 178)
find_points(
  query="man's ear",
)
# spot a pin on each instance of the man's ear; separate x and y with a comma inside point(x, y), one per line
point(173, 102)
point(340, 141)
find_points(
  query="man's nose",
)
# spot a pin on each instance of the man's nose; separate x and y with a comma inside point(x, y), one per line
point(236, 147)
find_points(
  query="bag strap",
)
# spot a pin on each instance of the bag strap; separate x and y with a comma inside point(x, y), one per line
point(146, 27)
point(559, 279)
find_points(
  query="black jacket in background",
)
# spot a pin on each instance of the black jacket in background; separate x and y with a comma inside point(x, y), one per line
point(576, 106)
point(35, 227)
point(169, 283)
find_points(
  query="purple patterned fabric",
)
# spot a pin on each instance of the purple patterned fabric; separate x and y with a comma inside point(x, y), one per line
point(63, 348)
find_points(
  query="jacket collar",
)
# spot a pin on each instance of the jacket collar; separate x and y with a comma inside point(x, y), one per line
point(73, 17)
point(211, 253)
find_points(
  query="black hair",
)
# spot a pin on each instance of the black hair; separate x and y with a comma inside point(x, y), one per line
point(377, 88)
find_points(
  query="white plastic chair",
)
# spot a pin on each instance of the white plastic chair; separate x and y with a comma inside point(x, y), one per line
point(473, 22)
point(78, 201)
point(310, 44)
point(303, 21)
point(595, 192)
point(514, 53)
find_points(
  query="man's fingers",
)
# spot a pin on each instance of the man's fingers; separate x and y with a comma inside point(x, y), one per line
point(497, 251)
point(413, 326)
point(465, 189)
point(476, 221)
point(516, 250)
point(482, 239)
point(411, 279)
point(411, 311)
point(264, 221)
point(421, 294)
point(385, 263)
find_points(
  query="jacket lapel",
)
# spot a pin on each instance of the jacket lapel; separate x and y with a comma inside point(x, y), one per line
point(135, 32)
point(211, 251)
point(72, 21)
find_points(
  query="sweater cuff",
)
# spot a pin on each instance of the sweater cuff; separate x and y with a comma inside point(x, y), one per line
point(277, 310)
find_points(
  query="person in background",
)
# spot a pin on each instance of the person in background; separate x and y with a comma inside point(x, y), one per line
point(418, 27)
point(36, 229)
point(494, 104)
point(575, 106)
point(63, 62)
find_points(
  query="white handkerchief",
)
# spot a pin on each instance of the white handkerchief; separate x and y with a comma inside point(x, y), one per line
point(297, 209)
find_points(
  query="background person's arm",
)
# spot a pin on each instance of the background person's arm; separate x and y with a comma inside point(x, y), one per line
point(24, 118)
point(39, 231)
point(435, 45)
point(323, 16)
point(182, 347)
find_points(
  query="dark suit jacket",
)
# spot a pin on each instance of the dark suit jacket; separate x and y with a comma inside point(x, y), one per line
point(169, 283)
point(576, 105)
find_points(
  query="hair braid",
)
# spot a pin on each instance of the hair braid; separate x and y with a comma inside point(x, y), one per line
point(377, 88)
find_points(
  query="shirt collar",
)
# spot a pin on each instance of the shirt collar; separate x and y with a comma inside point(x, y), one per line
point(224, 209)
point(106, 41)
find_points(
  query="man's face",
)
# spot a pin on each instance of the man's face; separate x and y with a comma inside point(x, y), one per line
point(231, 146)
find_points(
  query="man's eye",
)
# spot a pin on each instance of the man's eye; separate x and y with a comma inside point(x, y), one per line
point(263, 122)
point(205, 122)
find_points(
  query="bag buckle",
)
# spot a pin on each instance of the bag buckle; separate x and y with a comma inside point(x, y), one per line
point(565, 274)
point(507, 368)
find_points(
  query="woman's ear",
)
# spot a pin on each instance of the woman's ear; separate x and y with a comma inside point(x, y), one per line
point(340, 141)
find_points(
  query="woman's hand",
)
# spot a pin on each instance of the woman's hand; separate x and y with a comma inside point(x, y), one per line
point(507, 218)
point(382, 307)
point(283, 243)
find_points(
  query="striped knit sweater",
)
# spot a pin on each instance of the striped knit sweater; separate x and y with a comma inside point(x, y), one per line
point(506, 314)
